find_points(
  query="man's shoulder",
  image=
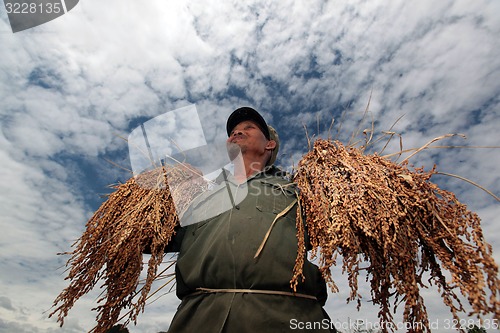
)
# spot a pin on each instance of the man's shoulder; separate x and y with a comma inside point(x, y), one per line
point(278, 178)
point(276, 172)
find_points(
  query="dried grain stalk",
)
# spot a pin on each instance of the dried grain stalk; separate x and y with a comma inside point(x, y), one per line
point(138, 214)
point(378, 213)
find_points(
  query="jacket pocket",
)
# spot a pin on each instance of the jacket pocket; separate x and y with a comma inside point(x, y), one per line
point(274, 197)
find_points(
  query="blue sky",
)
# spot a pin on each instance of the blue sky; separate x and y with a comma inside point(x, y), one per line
point(70, 88)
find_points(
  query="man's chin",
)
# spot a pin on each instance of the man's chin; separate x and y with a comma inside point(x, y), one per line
point(233, 150)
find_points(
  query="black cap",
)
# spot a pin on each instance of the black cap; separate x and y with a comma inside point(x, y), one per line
point(246, 113)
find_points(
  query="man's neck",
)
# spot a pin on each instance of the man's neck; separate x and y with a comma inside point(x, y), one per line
point(247, 168)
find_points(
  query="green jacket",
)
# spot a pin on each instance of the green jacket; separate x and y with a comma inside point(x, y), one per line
point(218, 253)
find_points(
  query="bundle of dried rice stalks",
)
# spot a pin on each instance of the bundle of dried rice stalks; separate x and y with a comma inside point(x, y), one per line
point(138, 214)
point(375, 212)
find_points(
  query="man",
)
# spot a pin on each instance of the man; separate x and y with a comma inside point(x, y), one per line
point(223, 285)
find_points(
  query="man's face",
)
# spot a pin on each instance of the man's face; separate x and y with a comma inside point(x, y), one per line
point(249, 138)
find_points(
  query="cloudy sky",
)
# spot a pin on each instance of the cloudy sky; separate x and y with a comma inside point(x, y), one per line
point(71, 88)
